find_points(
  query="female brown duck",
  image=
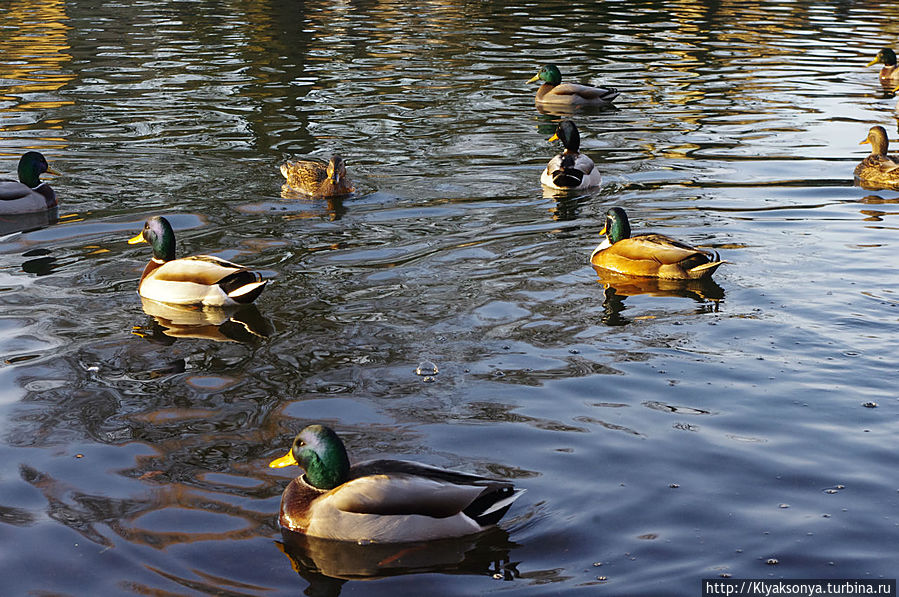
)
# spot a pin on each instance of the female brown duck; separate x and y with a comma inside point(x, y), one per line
point(878, 170)
point(316, 179)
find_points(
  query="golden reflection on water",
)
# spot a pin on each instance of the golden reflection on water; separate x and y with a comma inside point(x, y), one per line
point(34, 50)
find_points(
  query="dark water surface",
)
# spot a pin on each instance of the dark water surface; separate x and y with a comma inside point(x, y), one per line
point(664, 433)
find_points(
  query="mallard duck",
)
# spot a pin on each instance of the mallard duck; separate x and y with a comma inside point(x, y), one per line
point(878, 169)
point(554, 92)
point(196, 280)
point(651, 255)
point(570, 169)
point(28, 194)
point(383, 501)
point(318, 179)
point(889, 74)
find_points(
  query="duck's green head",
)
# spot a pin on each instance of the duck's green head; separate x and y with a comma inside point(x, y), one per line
point(886, 56)
point(878, 139)
point(617, 226)
point(567, 132)
point(159, 234)
point(319, 451)
point(31, 165)
point(549, 74)
point(336, 169)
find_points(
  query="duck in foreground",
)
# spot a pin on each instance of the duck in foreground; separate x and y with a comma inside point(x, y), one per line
point(570, 169)
point(878, 169)
point(650, 255)
point(383, 501)
point(889, 74)
point(317, 179)
point(196, 280)
point(28, 194)
point(555, 93)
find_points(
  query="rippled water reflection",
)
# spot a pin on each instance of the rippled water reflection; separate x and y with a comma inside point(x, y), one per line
point(665, 433)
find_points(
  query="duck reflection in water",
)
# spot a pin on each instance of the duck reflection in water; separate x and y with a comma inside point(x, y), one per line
point(29, 222)
point(328, 564)
point(241, 324)
point(618, 287)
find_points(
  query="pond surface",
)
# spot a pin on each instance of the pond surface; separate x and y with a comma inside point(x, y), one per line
point(664, 433)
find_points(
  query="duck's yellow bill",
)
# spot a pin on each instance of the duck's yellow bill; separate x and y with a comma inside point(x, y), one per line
point(873, 62)
point(555, 137)
point(534, 78)
point(862, 142)
point(53, 172)
point(603, 231)
point(286, 460)
point(137, 239)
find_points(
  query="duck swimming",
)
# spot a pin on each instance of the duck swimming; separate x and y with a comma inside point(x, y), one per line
point(383, 501)
point(878, 170)
point(317, 179)
point(889, 74)
point(196, 280)
point(28, 194)
point(553, 93)
point(570, 169)
point(649, 255)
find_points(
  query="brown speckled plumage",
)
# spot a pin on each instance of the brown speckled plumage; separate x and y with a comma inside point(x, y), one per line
point(318, 179)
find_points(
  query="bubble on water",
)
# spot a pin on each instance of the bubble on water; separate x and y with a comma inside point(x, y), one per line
point(772, 562)
point(428, 379)
point(426, 368)
point(784, 506)
point(869, 404)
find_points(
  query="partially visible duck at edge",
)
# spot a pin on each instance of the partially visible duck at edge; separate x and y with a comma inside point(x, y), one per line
point(28, 194)
point(570, 169)
point(317, 179)
point(889, 74)
point(878, 169)
point(554, 93)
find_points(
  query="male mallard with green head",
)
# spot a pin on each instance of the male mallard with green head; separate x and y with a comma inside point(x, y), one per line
point(651, 255)
point(317, 179)
point(28, 194)
point(570, 169)
point(196, 280)
point(878, 169)
point(889, 74)
point(383, 501)
point(554, 93)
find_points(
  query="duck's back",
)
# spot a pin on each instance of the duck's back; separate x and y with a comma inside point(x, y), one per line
point(17, 197)
point(653, 255)
point(878, 169)
point(575, 93)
